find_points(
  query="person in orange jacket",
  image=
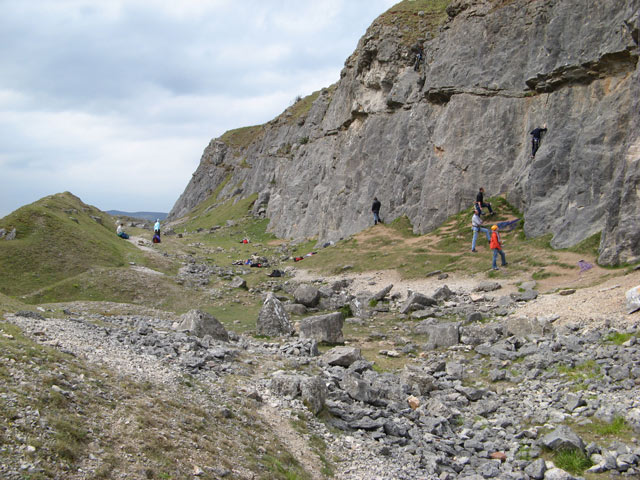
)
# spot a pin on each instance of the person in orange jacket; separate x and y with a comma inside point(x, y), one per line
point(496, 246)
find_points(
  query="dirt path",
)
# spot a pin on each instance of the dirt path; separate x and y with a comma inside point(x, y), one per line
point(377, 280)
point(143, 244)
point(599, 297)
point(294, 441)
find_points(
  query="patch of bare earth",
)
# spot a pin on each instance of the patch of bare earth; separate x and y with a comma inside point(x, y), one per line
point(599, 296)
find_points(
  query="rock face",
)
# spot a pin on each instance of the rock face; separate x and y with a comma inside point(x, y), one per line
point(435, 135)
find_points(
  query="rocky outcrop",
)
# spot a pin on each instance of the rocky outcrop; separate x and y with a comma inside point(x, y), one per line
point(200, 323)
point(423, 142)
point(273, 319)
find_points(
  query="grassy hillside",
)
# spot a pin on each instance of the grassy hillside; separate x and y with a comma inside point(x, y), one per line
point(416, 17)
point(108, 414)
point(57, 238)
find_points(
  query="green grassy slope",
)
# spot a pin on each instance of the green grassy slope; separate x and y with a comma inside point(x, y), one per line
point(57, 239)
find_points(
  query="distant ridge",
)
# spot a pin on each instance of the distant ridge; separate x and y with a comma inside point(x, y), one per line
point(142, 215)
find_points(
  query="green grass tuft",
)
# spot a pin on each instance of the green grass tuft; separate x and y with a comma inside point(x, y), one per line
point(618, 337)
point(572, 461)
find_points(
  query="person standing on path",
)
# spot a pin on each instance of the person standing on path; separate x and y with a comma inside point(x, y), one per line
point(156, 227)
point(480, 202)
point(536, 133)
point(375, 208)
point(496, 246)
point(476, 226)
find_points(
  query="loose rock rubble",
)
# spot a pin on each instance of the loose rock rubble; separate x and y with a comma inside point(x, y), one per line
point(483, 397)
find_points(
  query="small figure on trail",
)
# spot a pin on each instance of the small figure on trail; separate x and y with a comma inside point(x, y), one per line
point(476, 226)
point(156, 227)
point(120, 231)
point(536, 133)
point(480, 203)
point(375, 208)
point(496, 246)
point(419, 57)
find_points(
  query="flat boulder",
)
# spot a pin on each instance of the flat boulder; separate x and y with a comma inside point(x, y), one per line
point(382, 293)
point(342, 356)
point(323, 328)
point(487, 287)
point(523, 326)
point(417, 301)
point(200, 323)
point(525, 296)
point(273, 319)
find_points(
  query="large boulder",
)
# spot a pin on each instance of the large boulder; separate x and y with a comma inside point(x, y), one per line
point(313, 391)
point(443, 293)
point(323, 328)
point(523, 326)
point(307, 295)
point(285, 384)
point(342, 356)
point(273, 319)
point(563, 438)
point(444, 335)
point(633, 299)
point(200, 323)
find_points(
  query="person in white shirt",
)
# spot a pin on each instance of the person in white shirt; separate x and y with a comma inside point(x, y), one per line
point(120, 231)
point(476, 226)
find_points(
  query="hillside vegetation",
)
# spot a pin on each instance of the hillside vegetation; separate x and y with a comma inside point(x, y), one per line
point(58, 238)
point(56, 258)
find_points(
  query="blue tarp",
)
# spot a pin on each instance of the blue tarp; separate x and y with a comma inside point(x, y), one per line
point(508, 225)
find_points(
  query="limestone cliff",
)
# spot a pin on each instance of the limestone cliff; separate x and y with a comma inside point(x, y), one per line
point(424, 141)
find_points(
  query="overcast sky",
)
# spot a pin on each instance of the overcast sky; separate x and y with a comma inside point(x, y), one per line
point(115, 100)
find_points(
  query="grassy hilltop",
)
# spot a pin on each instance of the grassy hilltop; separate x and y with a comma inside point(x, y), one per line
point(58, 239)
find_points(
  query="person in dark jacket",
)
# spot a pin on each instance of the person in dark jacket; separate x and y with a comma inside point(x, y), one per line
point(536, 133)
point(480, 203)
point(375, 208)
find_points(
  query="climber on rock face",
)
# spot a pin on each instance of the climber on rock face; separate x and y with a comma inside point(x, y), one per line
point(480, 203)
point(419, 57)
point(536, 133)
